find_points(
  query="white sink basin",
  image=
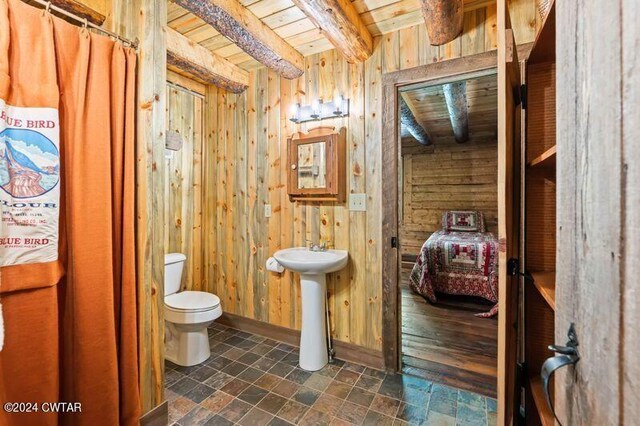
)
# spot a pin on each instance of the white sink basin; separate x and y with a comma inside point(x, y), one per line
point(305, 261)
point(313, 267)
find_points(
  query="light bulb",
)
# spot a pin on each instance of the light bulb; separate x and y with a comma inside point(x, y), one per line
point(294, 112)
point(315, 109)
point(337, 105)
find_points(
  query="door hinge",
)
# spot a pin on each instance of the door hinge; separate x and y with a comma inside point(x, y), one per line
point(513, 266)
point(513, 269)
point(394, 242)
point(523, 96)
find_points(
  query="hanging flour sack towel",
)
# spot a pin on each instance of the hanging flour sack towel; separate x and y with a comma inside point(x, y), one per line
point(29, 184)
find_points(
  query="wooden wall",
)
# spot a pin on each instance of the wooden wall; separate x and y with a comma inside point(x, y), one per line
point(183, 183)
point(598, 223)
point(245, 168)
point(449, 176)
point(145, 20)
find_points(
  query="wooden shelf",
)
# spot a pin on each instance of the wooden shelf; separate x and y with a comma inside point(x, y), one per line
point(544, 412)
point(545, 160)
point(544, 46)
point(545, 283)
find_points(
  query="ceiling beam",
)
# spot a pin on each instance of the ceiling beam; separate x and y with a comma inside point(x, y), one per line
point(408, 119)
point(81, 10)
point(444, 20)
point(455, 95)
point(340, 23)
point(195, 60)
point(246, 30)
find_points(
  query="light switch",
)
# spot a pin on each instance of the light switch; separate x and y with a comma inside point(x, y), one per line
point(267, 210)
point(358, 202)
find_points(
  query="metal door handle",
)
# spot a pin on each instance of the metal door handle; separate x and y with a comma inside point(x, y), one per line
point(569, 355)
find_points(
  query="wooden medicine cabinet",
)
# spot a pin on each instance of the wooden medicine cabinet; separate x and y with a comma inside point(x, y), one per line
point(317, 165)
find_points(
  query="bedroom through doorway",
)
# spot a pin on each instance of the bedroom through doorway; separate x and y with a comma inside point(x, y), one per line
point(447, 222)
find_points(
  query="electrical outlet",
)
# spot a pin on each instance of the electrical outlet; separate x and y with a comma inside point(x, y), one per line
point(267, 210)
point(358, 202)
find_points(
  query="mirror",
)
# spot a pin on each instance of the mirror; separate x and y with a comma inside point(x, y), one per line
point(317, 165)
point(312, 170)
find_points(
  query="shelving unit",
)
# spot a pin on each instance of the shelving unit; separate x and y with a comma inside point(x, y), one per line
point(545, 283)
point(540, 218)
point(545, 160)
point(546, 416)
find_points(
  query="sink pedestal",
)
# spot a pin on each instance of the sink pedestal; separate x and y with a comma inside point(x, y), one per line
point(313, 337)
point(313, 267)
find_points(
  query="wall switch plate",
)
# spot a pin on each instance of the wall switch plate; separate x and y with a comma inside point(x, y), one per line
point(267, 210)
point(358, 202)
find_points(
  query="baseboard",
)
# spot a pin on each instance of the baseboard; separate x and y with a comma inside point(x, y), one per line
point(344, 351)
point(159, 416)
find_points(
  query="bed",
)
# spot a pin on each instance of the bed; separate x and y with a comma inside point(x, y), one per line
point(460, 259)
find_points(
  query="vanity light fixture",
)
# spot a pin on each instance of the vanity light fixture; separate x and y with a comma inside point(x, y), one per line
point(319, 110)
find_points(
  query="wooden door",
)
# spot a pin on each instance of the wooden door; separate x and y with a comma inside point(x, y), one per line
point(598, 226)
point(509, 123)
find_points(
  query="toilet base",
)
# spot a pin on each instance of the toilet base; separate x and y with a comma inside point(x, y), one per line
point(186, 344)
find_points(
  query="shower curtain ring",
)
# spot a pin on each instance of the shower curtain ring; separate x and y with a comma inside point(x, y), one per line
point(85, 24)
point(47, 7)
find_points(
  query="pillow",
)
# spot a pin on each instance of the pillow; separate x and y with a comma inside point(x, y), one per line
point(465, 221)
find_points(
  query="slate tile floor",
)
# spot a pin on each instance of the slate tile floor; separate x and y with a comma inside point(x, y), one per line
point(250, 380)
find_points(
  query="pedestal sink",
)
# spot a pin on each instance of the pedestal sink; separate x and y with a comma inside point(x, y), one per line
point(313, 267)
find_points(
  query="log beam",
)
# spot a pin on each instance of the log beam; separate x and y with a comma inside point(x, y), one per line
point(444, 19)
point(455, 95)
point(340, 23)
point(201, 63)
point(408, 119)
point(248, 32)
point(81, 10)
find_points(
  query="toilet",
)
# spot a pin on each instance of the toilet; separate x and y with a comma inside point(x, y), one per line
point(187, 316)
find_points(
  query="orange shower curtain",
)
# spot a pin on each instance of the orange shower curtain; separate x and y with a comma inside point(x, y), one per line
point(71, 325)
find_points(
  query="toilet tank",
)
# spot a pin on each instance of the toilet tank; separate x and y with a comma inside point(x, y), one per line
point(173, 265)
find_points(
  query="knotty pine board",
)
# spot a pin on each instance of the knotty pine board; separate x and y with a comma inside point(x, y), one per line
point(183, 185)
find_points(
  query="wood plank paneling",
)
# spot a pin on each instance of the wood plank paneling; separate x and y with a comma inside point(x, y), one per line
point(598, 209)
point(183, 185)
point(355, 292)
point(145, 20)
point(451, 177)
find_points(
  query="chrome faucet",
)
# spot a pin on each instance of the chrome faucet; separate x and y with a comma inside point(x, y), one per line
point(317, 247)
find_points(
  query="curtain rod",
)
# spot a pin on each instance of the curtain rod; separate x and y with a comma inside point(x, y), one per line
point(85, 23)
point(184, 89)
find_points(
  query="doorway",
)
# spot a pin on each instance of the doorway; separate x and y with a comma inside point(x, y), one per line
point(393, 168)
point(447, 224)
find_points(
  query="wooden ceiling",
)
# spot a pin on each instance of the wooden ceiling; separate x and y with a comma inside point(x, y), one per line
point(430, 110)
point(290, 23)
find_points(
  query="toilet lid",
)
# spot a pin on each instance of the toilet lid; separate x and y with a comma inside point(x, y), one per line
point(194, 301)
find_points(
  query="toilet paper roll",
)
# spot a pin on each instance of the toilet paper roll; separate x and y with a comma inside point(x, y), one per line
point(274, 266)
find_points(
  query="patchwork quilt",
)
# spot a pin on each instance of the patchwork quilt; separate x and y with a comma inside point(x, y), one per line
point(461, 259)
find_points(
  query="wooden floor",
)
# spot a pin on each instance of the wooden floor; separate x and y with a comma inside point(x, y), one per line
point(446, 343)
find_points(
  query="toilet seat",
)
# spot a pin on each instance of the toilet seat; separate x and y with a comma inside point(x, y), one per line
point(192, 301)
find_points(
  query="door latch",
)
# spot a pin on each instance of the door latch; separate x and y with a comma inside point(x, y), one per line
point(569, 355)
